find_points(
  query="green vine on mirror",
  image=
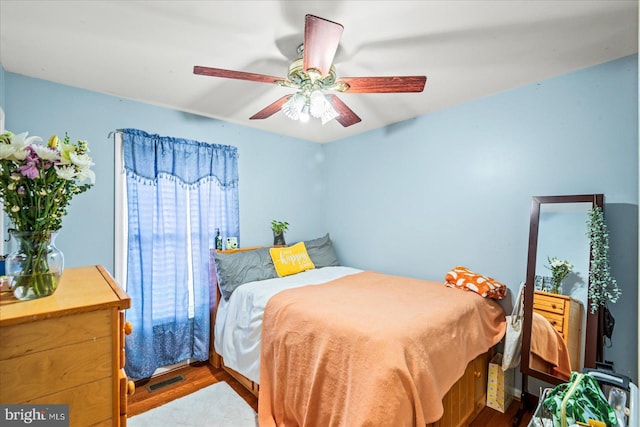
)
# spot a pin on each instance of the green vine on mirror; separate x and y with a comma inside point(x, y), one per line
point(602, 286)
point(37, 183)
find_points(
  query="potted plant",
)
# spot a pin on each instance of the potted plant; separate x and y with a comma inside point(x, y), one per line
point(559, 270)
point(278, 228)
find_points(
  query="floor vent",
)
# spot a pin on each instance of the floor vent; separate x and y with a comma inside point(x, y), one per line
point(165, 383)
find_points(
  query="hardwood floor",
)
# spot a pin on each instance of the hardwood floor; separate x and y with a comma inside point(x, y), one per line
point(493, 418)
point(198, 376)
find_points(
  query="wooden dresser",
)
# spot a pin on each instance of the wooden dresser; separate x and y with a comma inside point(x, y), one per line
point(565, 314)
point(68, 348)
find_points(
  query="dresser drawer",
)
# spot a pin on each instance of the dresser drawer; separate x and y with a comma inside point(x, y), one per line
point(89, 404)
point(51, 371)
point(548, 303)
point(555, 319)
point(28, 338)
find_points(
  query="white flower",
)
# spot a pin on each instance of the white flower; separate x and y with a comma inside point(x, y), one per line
point(558, 263)
point(13, 151)
point(20, 143)
point(7, 151)
point(15, 208)
point(86, 174)
point(46, 153)
point(66, 172)
point(21, 140)
point(82, 161)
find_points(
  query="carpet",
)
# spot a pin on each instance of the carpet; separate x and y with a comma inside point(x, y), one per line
point(217, 405)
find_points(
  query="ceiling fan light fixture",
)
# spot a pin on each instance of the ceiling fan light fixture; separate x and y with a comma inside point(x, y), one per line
point(302, 106)
point(313, 71)
point(320, 107)
point(293, 107)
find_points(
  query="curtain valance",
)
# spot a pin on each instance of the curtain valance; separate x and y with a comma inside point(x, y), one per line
point(148, 156)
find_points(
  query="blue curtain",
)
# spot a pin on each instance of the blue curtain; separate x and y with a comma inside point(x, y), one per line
point(178, 193)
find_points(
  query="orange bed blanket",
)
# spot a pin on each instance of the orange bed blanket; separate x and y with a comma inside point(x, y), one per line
point(549, 346)
point(369, 349)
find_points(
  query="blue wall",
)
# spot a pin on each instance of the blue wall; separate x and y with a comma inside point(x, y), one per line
point(415, 198)
point(278, 176)
point(454, 187)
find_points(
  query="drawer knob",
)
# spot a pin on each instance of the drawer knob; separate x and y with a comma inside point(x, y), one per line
point(128, 328)
point(553, 306)
point(131, 387)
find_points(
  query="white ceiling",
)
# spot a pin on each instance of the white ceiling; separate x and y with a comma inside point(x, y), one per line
point(146, 50)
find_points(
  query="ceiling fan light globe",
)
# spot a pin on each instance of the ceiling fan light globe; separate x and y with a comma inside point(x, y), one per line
point(317, 103)
point(291, 114)
point(293, 107)
point(320, 107)
point(329, 114)
point(303, 117)
point(290, 111)
point(304, 113)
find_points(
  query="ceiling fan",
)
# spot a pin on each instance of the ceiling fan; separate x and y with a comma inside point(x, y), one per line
point(313, 73)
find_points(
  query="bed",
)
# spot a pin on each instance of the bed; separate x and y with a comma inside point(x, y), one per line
point(337, 346)
point(549, 352)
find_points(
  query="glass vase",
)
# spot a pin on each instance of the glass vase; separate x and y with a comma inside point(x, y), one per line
point(34, 264)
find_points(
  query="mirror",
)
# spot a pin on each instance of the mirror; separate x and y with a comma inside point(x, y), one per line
point(559, 334)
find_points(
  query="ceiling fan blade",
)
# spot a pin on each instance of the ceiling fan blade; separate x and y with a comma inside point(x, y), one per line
point(270, 109)
point(384, 84)
point(231, 74)
point(321, 39)
point(346, 116)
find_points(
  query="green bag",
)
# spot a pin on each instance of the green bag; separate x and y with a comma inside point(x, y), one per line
point(580, 399)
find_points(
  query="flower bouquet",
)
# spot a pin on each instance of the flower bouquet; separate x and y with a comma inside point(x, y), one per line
point(37, 184)
point(559, 270)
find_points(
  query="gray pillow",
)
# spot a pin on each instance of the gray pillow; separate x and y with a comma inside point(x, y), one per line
point(321, 252)
point(234, 269)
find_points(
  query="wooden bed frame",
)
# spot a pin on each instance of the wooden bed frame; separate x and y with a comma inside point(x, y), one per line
point(462, 403)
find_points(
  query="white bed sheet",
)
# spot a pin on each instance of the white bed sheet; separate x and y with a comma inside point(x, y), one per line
point(238, 328)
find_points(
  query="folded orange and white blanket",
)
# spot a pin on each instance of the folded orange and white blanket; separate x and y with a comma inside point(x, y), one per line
point(462, 278)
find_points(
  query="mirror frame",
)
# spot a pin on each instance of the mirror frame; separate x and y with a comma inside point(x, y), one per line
point(592, 340)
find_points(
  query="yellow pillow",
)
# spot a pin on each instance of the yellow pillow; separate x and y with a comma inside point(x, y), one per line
point(291, 260)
